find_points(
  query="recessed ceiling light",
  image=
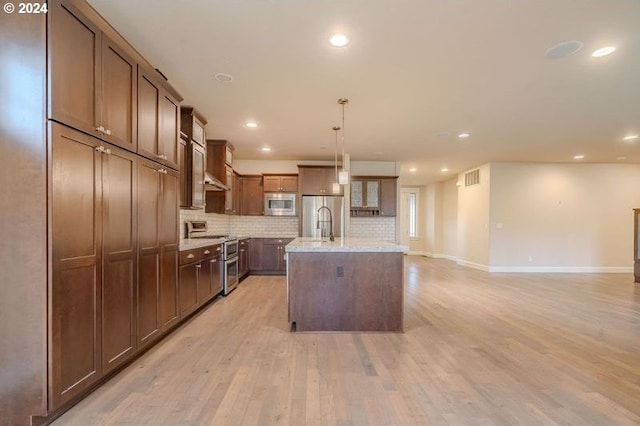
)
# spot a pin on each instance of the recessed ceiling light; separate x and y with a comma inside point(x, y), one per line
point(463, 135)
point(413, 169)
point(224, 78)
point(578, 157)
point(630, 137)
point(251, 124)
point(621, 158)
point(444, 170)
point(266, 149)
point(339, 40)
point(563, 49)
point(603, 51)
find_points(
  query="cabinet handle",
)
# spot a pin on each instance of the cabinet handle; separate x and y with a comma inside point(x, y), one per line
point(107, 131)
point(207, 252)
point(100, 129)
point(100, 148)
point(198, 266)
point(107, 151)
point(218, 249)
point(242, 250)
point(279, 241)
point(213, 260)
point(191, 256)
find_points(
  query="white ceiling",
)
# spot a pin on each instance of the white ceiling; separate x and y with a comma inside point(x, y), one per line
point(413, 71)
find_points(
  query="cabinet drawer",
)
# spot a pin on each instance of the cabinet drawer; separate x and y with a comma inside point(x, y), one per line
point(196, 255)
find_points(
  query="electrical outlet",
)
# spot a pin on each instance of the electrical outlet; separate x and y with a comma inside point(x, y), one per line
point(340, 271)
point(530, 259)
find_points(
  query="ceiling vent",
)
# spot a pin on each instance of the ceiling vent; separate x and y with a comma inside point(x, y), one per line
point(472, 178)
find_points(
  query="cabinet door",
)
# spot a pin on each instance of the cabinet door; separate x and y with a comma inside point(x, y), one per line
point(203, 287)
point(196, 177)
point(312, 180)
point(357, 194)
point(74, 68)
point(169, 245)
point(148, 251)
point(372, 194)
point(148, 100)
point(388, 197)
point(188, 289)
point(237, 195)
point(119, 81)
point(119, 258)
point(270, 255)
point(289, 183)
point(229, 180)
point(252, 196)
point(272, 183)
point(182, 167)
point(76, 169)
point(169, 111)
point(216, 264)
point(255, 255)
point(243, 255)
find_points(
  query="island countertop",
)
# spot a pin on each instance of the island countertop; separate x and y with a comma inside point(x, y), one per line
point(343, 245)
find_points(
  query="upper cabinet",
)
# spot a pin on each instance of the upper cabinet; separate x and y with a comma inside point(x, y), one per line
point(317, 180)
point(158, 125)
point(192, 126)
point(280, 183)
point(92, 79)
point(373, 196)
point(104, 88)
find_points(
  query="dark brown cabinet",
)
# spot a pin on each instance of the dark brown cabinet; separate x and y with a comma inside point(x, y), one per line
point(182, 166)
point(200, 277)
point(158, 126)
point(244, 253)
point(317, 180)
point(373, 196)
point(94, 261)
point(388, 196)
point(193, 174)
point(252, 196)
point(267, 256)
point(280, 183)
point(157, 250)
point(93, 81)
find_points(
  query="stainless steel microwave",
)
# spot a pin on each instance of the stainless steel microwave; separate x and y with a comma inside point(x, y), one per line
point(278, 204)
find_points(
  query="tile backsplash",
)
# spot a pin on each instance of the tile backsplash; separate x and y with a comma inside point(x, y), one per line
point(383, 228)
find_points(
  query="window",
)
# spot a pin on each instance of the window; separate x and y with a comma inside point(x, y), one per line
point(413, 215)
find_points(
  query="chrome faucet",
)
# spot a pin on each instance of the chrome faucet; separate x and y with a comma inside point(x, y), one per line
point(331, 237)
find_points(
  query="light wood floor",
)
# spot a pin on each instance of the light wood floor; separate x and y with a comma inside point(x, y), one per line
point(478, 349)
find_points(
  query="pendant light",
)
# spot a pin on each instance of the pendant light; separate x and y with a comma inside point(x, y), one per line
point(343, 176)
point(335, 188)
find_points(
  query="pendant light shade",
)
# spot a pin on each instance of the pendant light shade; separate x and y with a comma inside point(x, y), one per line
point(335, 188)
point(343, 176)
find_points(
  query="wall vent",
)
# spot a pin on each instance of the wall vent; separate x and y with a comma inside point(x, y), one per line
point(472, 178)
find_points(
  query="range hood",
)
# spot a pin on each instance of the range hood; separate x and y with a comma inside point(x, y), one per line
point(213, 184)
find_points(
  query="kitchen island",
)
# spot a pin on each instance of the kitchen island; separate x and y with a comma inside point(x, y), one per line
point(350, 284)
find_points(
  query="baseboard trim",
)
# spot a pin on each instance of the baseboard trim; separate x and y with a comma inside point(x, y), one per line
point(473, 265)
point(564, 269)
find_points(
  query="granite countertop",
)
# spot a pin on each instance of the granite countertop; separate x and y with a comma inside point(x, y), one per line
point(190, 244)
point(307, 244)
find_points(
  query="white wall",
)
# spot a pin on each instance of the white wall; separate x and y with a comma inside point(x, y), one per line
point(562, 217)
point(473, 221)
point(449, 224)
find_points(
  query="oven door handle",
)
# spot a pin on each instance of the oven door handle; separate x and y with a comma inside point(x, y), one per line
point(232, 260)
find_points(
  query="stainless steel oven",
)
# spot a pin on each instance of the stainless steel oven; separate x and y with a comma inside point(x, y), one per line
point(231, 271)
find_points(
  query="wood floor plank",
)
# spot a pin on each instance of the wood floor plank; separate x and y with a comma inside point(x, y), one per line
point(478, 349)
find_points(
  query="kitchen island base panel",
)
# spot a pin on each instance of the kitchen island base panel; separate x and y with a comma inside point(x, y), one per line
point(346, 291)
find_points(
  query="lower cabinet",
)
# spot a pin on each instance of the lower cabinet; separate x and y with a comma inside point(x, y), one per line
point(244, 253)
point(200, 277)
point(267, 256)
